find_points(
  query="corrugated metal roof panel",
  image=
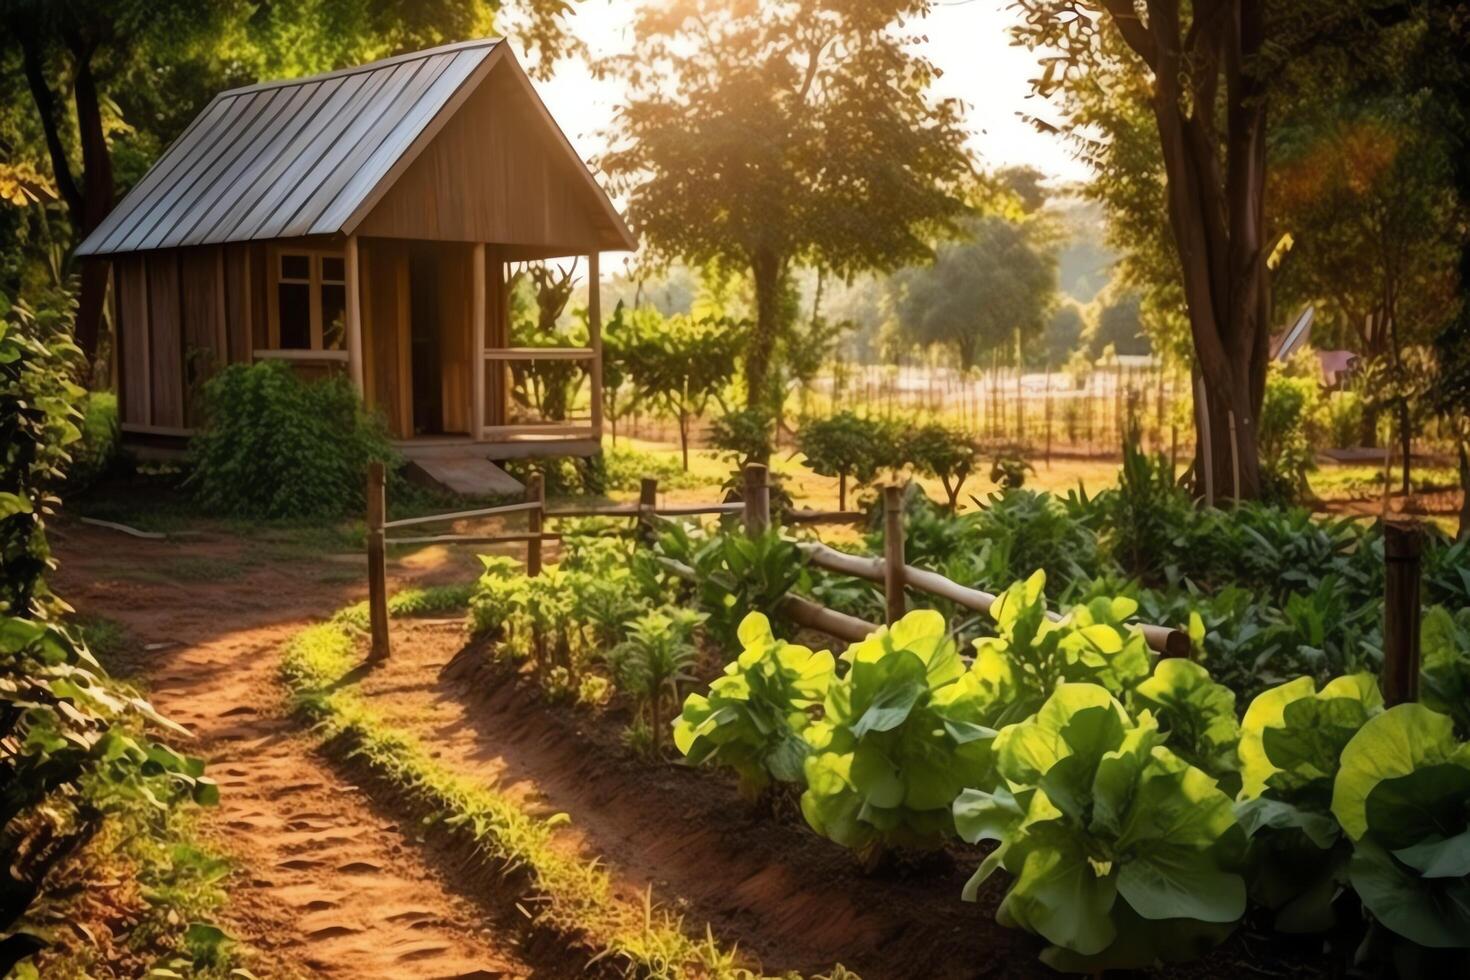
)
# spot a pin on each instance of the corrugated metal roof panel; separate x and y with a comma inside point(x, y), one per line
point(287, 158)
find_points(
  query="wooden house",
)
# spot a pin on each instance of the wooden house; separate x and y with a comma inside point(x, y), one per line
point(360, 221)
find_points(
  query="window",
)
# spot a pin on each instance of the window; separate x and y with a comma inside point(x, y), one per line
point(311, 302)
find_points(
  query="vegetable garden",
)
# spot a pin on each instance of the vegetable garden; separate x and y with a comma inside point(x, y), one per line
point(1128, 807)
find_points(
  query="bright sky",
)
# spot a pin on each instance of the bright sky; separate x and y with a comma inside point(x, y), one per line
point(967, 39)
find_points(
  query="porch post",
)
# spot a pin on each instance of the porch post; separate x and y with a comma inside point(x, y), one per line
point(477, 347)
point(594, 339)
point(352, 286)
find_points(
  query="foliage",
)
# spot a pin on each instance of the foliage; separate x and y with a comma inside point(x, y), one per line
point(1107, 832)
point(1444, 679)
point(1146, 512)
point(1287, 438)
point(678, 364)
point(844, 445)
point(277, 446)
point(1032, 653)
point(1008, 470)
point(754, 715)
point(761, 135)
point(984, 292)
point(654, 659)
point(1197, 714)
point(940, 451)
point(38, 422)
point(1292, 737)
point(736, 574)
point(902, 735)
point(97, 449)
point(1402, 796)
point(745, 435)
point(626, 468)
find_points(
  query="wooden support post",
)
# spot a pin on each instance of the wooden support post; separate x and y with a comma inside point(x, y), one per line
point(377, 506)
point(352, 286)
point(535, 520)
point(647, 501)
point(1402, 546)
point(893, 560)
point(757, 494)
point(594, 340)
point(478, 319)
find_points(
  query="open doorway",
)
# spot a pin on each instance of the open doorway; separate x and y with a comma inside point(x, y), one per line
point(428, 398)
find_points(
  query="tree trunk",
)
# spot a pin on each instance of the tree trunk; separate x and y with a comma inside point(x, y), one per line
point(1464, 532)
point(766, 272)
point(842, 491)
point(684, 436)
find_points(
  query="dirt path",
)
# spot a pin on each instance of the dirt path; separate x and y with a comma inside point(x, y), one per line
point(797, 902)
point(325, 884)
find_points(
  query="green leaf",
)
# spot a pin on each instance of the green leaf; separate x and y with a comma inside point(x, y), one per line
point(1437, 917)
point(1392, 744)
point(1447, 858)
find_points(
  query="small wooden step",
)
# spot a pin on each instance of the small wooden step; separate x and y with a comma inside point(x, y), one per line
point(468, 474)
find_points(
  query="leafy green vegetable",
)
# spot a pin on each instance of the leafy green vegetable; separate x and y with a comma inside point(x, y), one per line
point(1034, 653)
point(1109, 832)
point(1444, 680)
point(753, 717)
point(904, 733)
point(1402, 795)
point(1197, 714)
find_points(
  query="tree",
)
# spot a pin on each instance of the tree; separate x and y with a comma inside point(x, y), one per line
point(980, 291)
point(1119, 324)
point(762, 134)
point(1203, 75)
point(1064, 330)
point(844, 445)
point(940, 451)
point(680, 364)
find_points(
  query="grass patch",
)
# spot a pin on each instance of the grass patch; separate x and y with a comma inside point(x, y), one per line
point(435, 600)
point(104, 637)
point(573, 897)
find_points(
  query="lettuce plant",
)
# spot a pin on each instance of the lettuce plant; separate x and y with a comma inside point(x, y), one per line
point(1292, 737)
point(1123, 854)
point(753, 717)
point(1444, 680)
point(1091, 644)
point(903, 734)
point(1402, 796)
point(1197, 714)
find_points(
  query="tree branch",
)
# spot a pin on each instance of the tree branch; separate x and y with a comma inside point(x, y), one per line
point(66, 183)
point(1125, 18)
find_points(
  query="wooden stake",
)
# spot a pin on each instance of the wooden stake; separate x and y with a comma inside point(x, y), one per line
point(535, 491)
point(1402, 545)
point(377, 506)
point(757, 497)
point(893, 560)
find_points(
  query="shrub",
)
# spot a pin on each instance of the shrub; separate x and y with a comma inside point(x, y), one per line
point(626, 467)
point(1008, 470)
point(96, 451)
point(746, 435)
point(654, 659)
point(1287, 435)
point(844, 445)
point(939, 451)
point(277, 446)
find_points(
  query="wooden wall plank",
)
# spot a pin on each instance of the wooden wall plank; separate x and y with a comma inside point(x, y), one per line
point(200, 293)
point(386, 376)
point(455, 313)
point(493, 174)
point(239, 304)
point(165, 338)
point(134, 398)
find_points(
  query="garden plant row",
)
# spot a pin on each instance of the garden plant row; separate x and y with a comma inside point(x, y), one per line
point(1264, 778)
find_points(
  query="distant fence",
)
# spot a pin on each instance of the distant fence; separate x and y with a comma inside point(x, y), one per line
point(1403, 544)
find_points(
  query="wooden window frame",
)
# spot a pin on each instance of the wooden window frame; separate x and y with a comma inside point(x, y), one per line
point(315, 258)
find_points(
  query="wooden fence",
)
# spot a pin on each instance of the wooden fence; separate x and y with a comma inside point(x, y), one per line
point(1402, 549)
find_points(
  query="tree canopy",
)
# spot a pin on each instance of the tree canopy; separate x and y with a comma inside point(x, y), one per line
point(761, 134)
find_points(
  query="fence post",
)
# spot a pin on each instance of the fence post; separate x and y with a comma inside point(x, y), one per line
point(757, 497)
point(1402, 546)
point(893, 560)
point(377, 506)
point(535, 491)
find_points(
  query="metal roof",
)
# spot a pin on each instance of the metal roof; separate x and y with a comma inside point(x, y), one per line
point(290, 158)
